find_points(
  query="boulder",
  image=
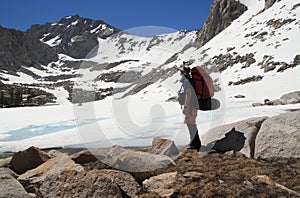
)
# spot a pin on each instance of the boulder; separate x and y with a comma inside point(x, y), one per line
point(163, 185)
point(124, 180)
point(32, 179)
point(88, 156)
point(249, 127)
point(140, 164)
point(71, 183)
point(278, 102)
point(291, 98)
point(9, 186)
point(164, 147)
point(25, 160)
point(279, 136)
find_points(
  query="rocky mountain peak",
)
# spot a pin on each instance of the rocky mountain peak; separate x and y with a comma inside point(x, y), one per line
point(222, 13)
point(18, 48)
point(73, 35)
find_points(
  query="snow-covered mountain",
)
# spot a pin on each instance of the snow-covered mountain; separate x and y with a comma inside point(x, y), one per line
point(72, 35)
point(260, 44)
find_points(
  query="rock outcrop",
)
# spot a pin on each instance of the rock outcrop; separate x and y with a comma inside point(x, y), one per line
point(222, 13)
point(289, 98)
point(269, 3)
point(140, 164)
point(192, 175)
point(279, 136)
point(18, 48)
point(73, 35)
point(249, 127)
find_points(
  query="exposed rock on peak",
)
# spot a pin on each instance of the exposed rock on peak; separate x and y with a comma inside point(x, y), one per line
point(222, 13)
point(18, 48)
point(269, 3)
point(73, 35)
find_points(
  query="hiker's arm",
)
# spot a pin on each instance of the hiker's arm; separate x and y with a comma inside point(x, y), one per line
point(188, 95)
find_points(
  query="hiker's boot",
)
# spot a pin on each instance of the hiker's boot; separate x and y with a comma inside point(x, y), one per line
point(195, 142)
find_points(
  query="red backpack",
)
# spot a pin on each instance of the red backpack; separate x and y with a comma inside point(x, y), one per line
point(203, 83)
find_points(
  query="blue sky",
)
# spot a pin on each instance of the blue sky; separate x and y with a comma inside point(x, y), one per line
point(175, 14)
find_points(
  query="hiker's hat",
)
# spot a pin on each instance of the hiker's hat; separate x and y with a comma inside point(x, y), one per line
point(184, 68)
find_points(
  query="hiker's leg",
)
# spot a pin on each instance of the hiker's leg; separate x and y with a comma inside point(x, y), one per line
point(190, 121)
point(194, 136)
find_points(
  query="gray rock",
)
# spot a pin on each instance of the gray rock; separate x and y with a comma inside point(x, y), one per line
point(71, 183)
point(25, 160)
point(291, 98)
point(88, 156)
point(249, 127)
point(239, 96)
point(278, 102)
point(279, 136)
point(257, 104)
point(269, 3)
point(140, 164)
point(269, 68)
point(163, 185)
point(9, 186)
point(18, 48)
point(164, 147)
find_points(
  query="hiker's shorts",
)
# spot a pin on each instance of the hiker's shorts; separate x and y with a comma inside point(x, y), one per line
point(190, 116)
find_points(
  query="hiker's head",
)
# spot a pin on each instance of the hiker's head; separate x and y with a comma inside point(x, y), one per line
point(184, 70)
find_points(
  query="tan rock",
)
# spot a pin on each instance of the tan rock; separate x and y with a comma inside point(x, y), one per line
point(124, 180)
point(5, 162)
point(164, 147)
point(35, 177)
point(163, 185)
point(71, 183)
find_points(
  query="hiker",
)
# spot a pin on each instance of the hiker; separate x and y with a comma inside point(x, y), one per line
point(189, 110)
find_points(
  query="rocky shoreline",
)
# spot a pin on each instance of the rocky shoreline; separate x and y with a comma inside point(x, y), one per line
point(270, 168)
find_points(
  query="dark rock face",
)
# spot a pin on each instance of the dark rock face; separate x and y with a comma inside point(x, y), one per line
point(222, 13)
point(18, 48)
point(28, 159)
point(76, 36)
point(269, 3)
point(21, 95)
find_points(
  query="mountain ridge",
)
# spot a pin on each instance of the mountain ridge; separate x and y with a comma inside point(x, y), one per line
point(254, 43)
point(73, 35)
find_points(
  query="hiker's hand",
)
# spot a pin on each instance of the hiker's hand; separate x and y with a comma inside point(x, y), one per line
point(187, 110)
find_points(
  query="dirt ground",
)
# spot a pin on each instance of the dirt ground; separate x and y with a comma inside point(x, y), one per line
point(228, 176)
